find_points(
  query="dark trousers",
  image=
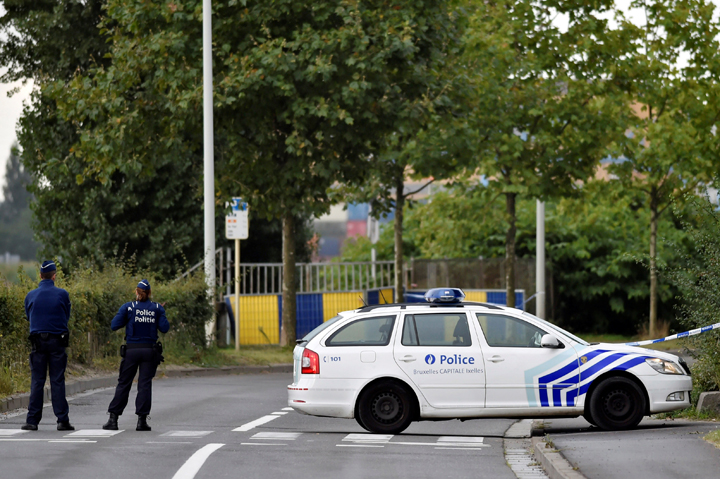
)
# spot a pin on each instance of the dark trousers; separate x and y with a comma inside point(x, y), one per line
point(145, 360)
point(48, 354)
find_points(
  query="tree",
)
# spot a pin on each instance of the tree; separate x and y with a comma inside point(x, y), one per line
point(672, 145)
point(16, 236)
point(15, 195)
point(544, 103)
point(304, 93)
point(139, 212)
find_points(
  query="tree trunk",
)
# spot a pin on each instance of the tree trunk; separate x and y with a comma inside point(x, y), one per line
point(399, 204)
point(652, 327)
point(287, 335)
point(510, 249)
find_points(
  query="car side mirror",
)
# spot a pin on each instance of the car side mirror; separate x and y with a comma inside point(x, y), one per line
point(551, 342)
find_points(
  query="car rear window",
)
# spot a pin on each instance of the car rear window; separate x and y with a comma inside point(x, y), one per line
point(320, 329)
point(373, 331)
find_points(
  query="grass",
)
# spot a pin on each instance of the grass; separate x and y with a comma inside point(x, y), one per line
point(259, 355)
point(690, 413)
point(714, 438)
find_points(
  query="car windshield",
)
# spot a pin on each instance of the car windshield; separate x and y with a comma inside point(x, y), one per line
point(560, 330)
point(319, 329)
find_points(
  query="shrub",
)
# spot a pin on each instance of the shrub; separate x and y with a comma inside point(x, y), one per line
point(96, 294)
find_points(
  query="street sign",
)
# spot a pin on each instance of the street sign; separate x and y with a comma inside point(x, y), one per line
point(236, 223)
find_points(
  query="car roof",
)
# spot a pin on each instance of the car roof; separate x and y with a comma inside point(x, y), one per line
point(374, 307)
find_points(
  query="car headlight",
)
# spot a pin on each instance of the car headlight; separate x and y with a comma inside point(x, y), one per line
point(664, 367)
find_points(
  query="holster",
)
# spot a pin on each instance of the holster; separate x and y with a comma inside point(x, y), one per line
point(158, 348)
point(33, 342)
point(65, 339)
point(123, 350)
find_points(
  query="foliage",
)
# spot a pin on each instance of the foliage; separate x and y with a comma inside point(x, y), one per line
point(96, 294)
point(596, 253)
point(544, 102)
point(699, 282)
point(673, 105)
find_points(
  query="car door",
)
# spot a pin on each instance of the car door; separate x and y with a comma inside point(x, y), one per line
point(520, 372)
point(438, 352)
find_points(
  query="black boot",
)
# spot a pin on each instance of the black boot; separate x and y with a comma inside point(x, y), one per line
point(142, 424)
point(112, 424)
point(65, 426)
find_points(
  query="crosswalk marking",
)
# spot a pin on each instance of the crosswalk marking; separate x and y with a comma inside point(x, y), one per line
point(461, 439)
point(255, 423)
point(186, 433)
point(11, 432)
point(281, 413)
point(368, 438)
point(455, 442)
point(288, 436)
point(93, 433)
point(287, 409)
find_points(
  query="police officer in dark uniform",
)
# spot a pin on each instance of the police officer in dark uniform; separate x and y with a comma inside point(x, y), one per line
point(48, 310)
point(142, 320)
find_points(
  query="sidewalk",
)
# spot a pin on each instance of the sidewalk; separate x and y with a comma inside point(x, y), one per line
point(661, 449)
point(73, 387)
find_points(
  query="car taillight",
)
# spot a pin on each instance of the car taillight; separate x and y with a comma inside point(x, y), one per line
point(310, 362)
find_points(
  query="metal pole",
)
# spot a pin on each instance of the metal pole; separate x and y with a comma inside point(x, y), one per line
point(208, 160)
point(237, 295)
point(228, 292)
point(540, 261)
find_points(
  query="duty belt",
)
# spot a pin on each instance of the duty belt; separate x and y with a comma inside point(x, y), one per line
point(139, 345)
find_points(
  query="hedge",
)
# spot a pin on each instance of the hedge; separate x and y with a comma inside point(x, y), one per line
point(96, 294)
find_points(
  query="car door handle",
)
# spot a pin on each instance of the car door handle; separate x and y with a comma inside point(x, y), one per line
point(407, 359)
point(496, 359)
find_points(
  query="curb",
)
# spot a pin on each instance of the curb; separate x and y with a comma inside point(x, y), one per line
point(81, 385)
point(552, 460)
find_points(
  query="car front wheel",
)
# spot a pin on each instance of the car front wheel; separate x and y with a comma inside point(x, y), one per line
point(617, 403)
point(385, 408)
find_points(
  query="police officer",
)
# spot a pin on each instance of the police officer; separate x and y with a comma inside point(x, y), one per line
point(142, 319)
point(48, 310)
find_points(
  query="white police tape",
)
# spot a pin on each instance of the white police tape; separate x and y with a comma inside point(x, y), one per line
point(693, 332)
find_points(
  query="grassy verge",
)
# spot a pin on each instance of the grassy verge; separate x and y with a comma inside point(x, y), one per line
point(689, 413)
point(714, 438)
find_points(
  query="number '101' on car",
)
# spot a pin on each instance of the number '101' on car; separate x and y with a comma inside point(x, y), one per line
point(388, 365)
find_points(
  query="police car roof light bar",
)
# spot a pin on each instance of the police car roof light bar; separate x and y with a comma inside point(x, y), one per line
point(445, 295)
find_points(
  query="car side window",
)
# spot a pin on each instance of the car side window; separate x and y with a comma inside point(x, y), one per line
point(364, 332)
point(442, 329)
point(508, 332)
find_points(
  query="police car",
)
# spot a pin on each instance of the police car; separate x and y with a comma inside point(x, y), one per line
point(389, 365)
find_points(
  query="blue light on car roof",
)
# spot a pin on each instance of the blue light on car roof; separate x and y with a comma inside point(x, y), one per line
point(444, 295)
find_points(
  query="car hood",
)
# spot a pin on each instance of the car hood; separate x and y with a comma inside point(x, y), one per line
point(638, 350)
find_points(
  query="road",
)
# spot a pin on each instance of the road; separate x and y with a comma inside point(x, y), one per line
point(194, 423)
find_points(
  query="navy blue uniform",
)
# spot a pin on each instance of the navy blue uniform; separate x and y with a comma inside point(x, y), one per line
point(48, 310)
point(142, 321)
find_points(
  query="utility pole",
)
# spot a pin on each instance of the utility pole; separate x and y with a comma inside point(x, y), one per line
point(208, 158)
point(540, 260)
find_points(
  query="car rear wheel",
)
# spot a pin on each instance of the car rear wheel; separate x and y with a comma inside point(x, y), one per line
point(617, 403)
point(385, 408)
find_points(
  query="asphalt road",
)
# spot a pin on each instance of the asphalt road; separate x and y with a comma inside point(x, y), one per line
point(194, 422)
point(657, 449)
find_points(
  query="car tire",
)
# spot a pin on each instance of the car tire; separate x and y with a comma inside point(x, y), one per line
point(617, 404)
point(385, 408)
point(588, 417)
point(359, 421)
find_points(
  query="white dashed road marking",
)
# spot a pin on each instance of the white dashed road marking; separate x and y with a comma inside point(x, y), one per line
point(11, 432)
point(280, 413)
point(94, 433)
point(255, 423)
point(193, 465)
point(288, 436)
point(186, 433)
point(287, 409)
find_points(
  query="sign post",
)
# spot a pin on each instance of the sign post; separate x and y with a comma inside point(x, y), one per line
point(236, 227)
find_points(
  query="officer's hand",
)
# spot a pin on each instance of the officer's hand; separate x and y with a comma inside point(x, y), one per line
point(163, 304)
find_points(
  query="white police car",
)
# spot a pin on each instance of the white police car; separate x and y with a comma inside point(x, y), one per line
point(389, 365)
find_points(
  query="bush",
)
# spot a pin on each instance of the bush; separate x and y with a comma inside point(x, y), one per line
point(96, 295)
point(699, 282)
